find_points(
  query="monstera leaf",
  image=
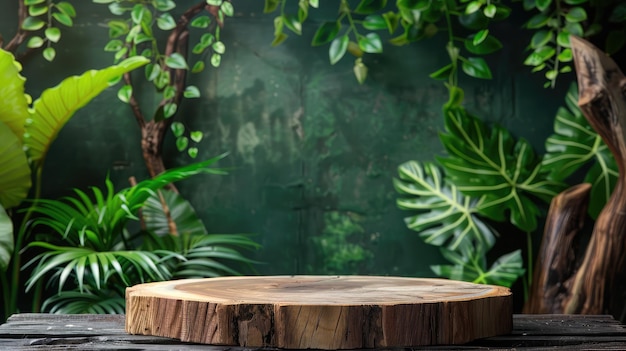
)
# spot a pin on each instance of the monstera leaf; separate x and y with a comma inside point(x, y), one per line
point(489, 162)
point(6, 239)
point(575, 144)
point(444, 215)
point(57, 105)
point(13, 101)
point(471, 266)
point(15, 180)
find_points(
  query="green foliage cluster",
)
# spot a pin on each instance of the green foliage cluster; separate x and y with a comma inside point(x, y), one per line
point(467, 25)
point(27, 130)
point(555, 20)
point(356, 27)
point(43, 20)
point(88, 244)
point(339, 245)
point(136, 30)
point(93, 256)
point(487, 174)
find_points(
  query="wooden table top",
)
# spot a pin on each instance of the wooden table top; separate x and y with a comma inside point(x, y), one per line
point(106, 332)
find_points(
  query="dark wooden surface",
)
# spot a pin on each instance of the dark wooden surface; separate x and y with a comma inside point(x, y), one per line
point(106, 332)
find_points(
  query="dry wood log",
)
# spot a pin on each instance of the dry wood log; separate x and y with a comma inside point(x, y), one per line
point(323, 312)
point(556, 260)
point(602, 100)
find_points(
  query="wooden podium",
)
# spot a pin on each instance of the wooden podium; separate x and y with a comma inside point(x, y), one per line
point(320, 312)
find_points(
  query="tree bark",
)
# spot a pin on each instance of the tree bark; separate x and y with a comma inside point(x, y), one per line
point(153, 132)
point(556, 262)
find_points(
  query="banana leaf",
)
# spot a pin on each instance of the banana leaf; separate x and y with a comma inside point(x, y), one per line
point(6, 240)
point(13, 101)
point(15, 179)
point(57, 105)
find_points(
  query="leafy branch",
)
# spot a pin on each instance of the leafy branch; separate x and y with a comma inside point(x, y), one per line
point(354, 30)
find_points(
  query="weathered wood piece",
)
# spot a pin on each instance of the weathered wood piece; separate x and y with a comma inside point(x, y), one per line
point(556, 260)
point(594, 284)
point(321, 312)
point(594, 288)
point(50, 332)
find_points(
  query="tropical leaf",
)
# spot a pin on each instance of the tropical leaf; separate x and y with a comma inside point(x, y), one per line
point(102, 301)
point(14, 103)
point(98, 221)
point(6, 240)
point(15, 179)
point(489, 162)
point(602, 176)
point(180, 211)
point(505, 270)
point(98, 266)
point(57, 105)
point(471, 266)
point(445, 216)
point(211, 256)
point(574, 145)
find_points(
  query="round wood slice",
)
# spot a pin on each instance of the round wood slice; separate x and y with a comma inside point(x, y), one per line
point(321, 312)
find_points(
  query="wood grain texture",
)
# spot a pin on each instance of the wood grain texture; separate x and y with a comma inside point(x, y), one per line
point(556, 261)
point(32, 331)
point(322, 312)
point(597, 287)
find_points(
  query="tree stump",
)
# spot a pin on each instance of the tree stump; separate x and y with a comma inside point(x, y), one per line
point(322, 312)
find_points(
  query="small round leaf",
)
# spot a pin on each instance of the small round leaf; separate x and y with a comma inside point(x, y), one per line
point(178, 129)
point(192, 152)
point(216, 59)
point(125, 93)
point(196, 136)
point(326, 33)
point(32, 24)
point(338, 49)
point(182, 143)
point(191, 92)
point(49, 54)
point(53, 34)
point(34, 42)
point(169, 109)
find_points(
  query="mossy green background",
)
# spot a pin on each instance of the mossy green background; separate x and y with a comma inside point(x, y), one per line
point(312, 153)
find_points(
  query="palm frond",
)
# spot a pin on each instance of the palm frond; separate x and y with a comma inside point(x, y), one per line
point(80, 262)
point(102, 301)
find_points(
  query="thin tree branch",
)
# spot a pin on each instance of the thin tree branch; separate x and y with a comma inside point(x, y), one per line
point(134, 104)
point(20, 35)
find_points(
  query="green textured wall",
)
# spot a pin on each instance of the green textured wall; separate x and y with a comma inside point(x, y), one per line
point(312, 152)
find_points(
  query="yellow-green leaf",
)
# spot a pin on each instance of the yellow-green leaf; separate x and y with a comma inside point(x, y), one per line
point(13, 104)
point(57, 105)
point(6, 240)
point(14, 169)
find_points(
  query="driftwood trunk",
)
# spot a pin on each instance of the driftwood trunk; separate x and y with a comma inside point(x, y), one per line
point(597, 285)
point(556, 261)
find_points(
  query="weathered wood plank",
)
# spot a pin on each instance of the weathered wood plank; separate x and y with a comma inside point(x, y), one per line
point(106, 332)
